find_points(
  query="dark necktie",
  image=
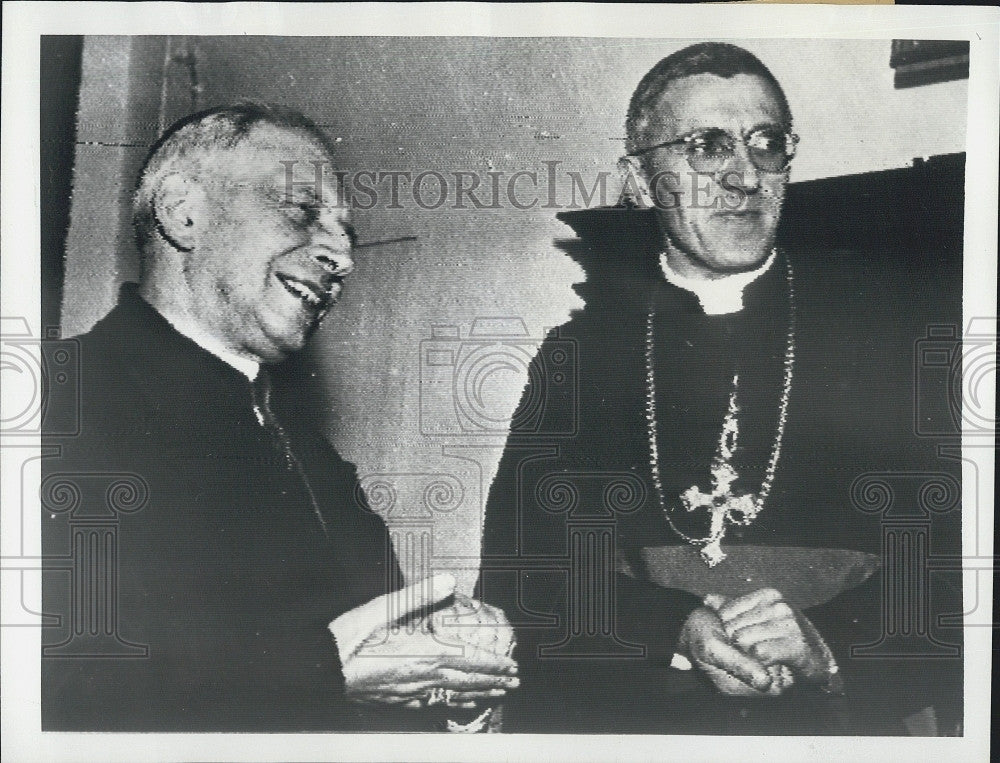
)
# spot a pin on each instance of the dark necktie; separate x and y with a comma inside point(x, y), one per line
point(261, 387)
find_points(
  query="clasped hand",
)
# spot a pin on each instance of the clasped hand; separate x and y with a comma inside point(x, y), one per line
point(755, 645)
point(394, 652)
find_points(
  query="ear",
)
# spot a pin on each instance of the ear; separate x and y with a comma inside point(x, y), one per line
point(178, 206)
point(635, 185)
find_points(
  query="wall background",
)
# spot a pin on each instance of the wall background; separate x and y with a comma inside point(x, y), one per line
point(447, 104)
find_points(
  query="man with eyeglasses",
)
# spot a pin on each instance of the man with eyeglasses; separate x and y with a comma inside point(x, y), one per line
point(689, 559)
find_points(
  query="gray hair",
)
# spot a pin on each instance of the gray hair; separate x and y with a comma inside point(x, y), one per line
point(201, 134)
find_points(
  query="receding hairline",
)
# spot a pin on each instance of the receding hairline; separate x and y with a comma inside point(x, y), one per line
point(773, 91)
point(719, 59)
point(254, 139)
point(212, 134)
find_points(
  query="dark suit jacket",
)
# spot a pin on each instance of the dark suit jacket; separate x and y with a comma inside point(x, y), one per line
point(214, 617)
point(579, 455)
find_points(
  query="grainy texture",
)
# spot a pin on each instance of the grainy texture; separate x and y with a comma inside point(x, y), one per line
point(448, 104)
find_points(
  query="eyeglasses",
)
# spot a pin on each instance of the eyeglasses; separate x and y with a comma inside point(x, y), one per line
point(708, 151)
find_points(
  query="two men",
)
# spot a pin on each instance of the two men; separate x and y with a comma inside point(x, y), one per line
point(733, 395)
point(247, 587)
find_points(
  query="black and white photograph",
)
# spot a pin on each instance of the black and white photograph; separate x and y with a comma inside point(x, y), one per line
point(378, 378)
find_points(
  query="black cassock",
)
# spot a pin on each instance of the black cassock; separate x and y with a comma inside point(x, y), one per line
point(576, 532)
point(190, 575)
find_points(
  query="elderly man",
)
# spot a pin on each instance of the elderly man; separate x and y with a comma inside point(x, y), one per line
point(254, 590)
point(732, 396)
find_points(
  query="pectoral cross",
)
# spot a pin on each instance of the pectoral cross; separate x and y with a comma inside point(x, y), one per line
point(718, 507)
point(721, 503)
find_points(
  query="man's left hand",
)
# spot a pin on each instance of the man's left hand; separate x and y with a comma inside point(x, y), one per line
point(768, 628)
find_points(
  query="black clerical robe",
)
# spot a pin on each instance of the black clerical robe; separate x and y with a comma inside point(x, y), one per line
point(190, 575)
point(570, 482)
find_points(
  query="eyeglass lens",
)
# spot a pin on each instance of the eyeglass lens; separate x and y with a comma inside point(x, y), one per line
point(769, 150)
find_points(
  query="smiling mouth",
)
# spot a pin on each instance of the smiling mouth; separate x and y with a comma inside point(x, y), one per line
point(307, 293)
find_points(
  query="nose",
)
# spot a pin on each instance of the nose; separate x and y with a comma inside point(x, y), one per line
point(331, 249)
point(742, 169)
point(337, 263)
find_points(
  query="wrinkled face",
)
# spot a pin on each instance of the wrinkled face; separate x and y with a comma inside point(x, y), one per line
point(724, 222)
point(271, 257)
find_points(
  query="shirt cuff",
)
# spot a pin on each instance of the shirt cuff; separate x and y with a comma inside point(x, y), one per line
point(348, 635)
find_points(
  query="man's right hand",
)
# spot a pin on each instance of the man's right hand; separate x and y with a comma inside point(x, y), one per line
point(400, 666)
point(704, 640)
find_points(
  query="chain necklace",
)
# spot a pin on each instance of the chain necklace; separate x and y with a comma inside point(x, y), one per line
point(722, 504)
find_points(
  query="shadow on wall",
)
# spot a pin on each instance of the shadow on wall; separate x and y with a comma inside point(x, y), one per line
point(450, 105)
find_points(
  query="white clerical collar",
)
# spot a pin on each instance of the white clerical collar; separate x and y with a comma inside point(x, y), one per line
point(249, 368)
point(718, 296)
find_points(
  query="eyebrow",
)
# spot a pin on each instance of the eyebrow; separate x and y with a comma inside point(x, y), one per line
point(710, 128)
point(764, 125)
point(307, 194)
